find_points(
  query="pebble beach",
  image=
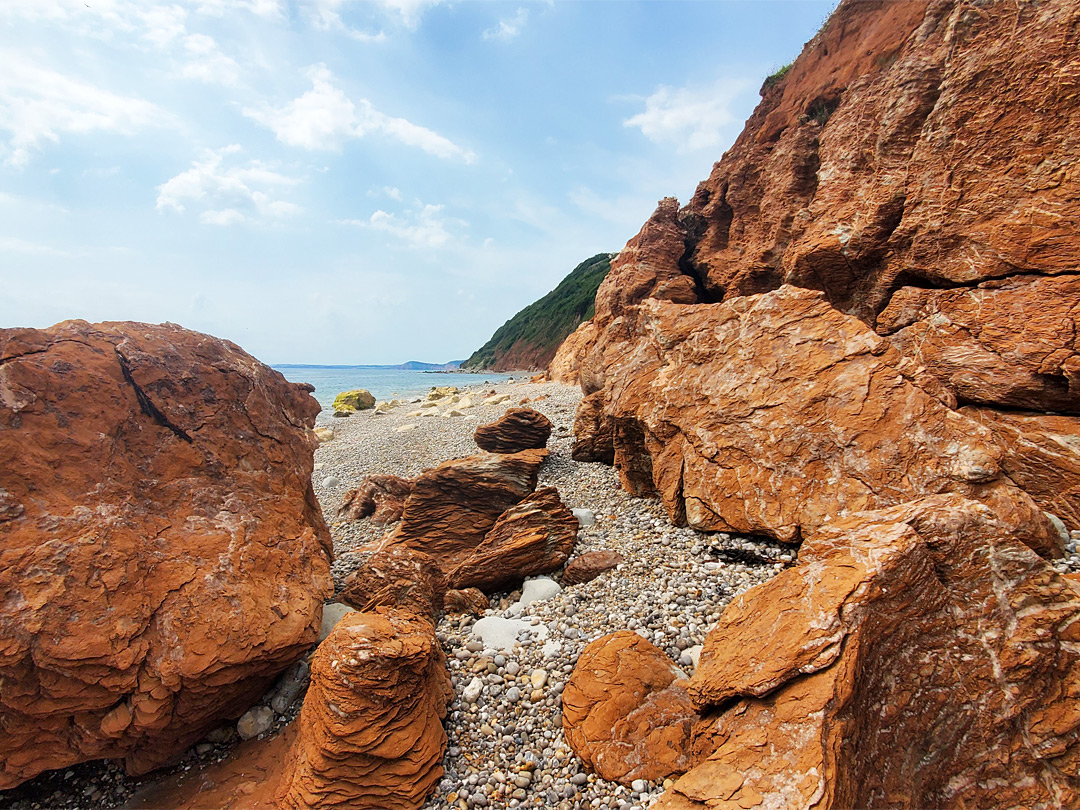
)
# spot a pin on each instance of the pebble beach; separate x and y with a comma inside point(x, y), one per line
point(506, 746)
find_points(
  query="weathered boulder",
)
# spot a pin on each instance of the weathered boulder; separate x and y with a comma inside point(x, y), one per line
point(626, 712)
point(516, 430)
point(380, 496)
point(774, 413)
point(348, 402)
point(594, 431)
point(1041, 454)
point(370, 733)
point(532, 537)
point(917, 657)
point(398, 577)
point(1009, 342)
point(587, 567)
point(466, 600)
point(137, 463)
point(452, 507)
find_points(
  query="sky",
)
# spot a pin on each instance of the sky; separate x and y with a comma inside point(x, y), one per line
point(353, 181)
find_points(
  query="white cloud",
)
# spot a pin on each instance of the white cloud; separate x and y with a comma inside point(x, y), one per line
point(690, 118)
point(207, 63)
point(273, 9)
point(38, 105)
point(392, 192)
point(324, 118)
point(423, 227)
point(509, 28)
point(227, 194)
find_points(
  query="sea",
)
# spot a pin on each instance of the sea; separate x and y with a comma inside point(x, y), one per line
point(383, 383)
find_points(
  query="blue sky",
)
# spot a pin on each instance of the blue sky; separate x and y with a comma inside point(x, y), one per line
point(352, 181)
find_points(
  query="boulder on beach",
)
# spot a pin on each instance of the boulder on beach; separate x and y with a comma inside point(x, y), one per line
point(137, 463)
point(532, 537)
point(626, 711)
point(587, 567)
point(516, 430)
point(370, 734)
point(382, 497)
point(398, 577)
point(348, 402)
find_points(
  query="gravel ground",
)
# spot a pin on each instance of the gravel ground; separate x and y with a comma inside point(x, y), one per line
point(506, 746)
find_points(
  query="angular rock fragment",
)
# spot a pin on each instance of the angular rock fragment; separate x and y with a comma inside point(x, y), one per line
point(139, 463)
point(452, 507)
point(626, 711)
point(516, 430)
point(370, 733)
point(587, 567)
point(532, 537)
point(348, 402)
point(918, 656)
point(398, 577)
point(380, 496)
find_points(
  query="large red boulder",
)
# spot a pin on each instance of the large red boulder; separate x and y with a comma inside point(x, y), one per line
point(917, 657)
point(517, 429)
point(399, 577)
point(380, 497)
point(773, 414)
point(453, 506)
point(162, 553)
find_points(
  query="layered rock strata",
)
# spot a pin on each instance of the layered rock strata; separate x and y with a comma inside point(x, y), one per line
point(516, 430)
point(452, 507)
point(399, 577)
point(370, 733)
point(532, 537)
point(380, 497)
point(138, 463)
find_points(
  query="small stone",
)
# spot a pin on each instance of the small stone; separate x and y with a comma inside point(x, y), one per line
point(585, 517)
point(471, 693)
point(331, 481)
point(254, 722)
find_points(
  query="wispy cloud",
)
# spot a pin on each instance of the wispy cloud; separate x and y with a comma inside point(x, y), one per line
point(227, 195)
point(39, 105)
point(327, 15)
point(12, 244)
point(508, 28)
point(205, 62)
point(325, 118)
point(421, 227)
point(690, 118)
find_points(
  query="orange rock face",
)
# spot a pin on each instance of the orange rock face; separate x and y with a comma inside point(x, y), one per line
point(564, 366)
point(452, 507)
point(916, 657)
point(380, 496)
point(1010, 342)
point(398, 577)
point(532, 537)
point(1041, 453)
point(820, 191)
point(516, 430)
point(370, 733)
point(773, 414)
point(587, 567)
point(138, 463)
point(594, 431)
point(626, 712)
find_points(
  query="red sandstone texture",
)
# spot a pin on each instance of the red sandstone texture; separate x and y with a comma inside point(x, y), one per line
point(398, 577)
point(138, 463)
point(626, 711)
point(516, 430)
point(587, 567)
point(382, 497)
point(370, 733)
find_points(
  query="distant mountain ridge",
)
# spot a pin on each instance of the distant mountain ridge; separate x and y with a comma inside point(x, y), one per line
point(411, 365)
point(529, 340)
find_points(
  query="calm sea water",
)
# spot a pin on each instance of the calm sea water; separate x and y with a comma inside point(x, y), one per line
point(383, 383)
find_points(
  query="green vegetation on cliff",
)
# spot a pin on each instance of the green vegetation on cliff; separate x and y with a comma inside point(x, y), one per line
point(531, 338)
